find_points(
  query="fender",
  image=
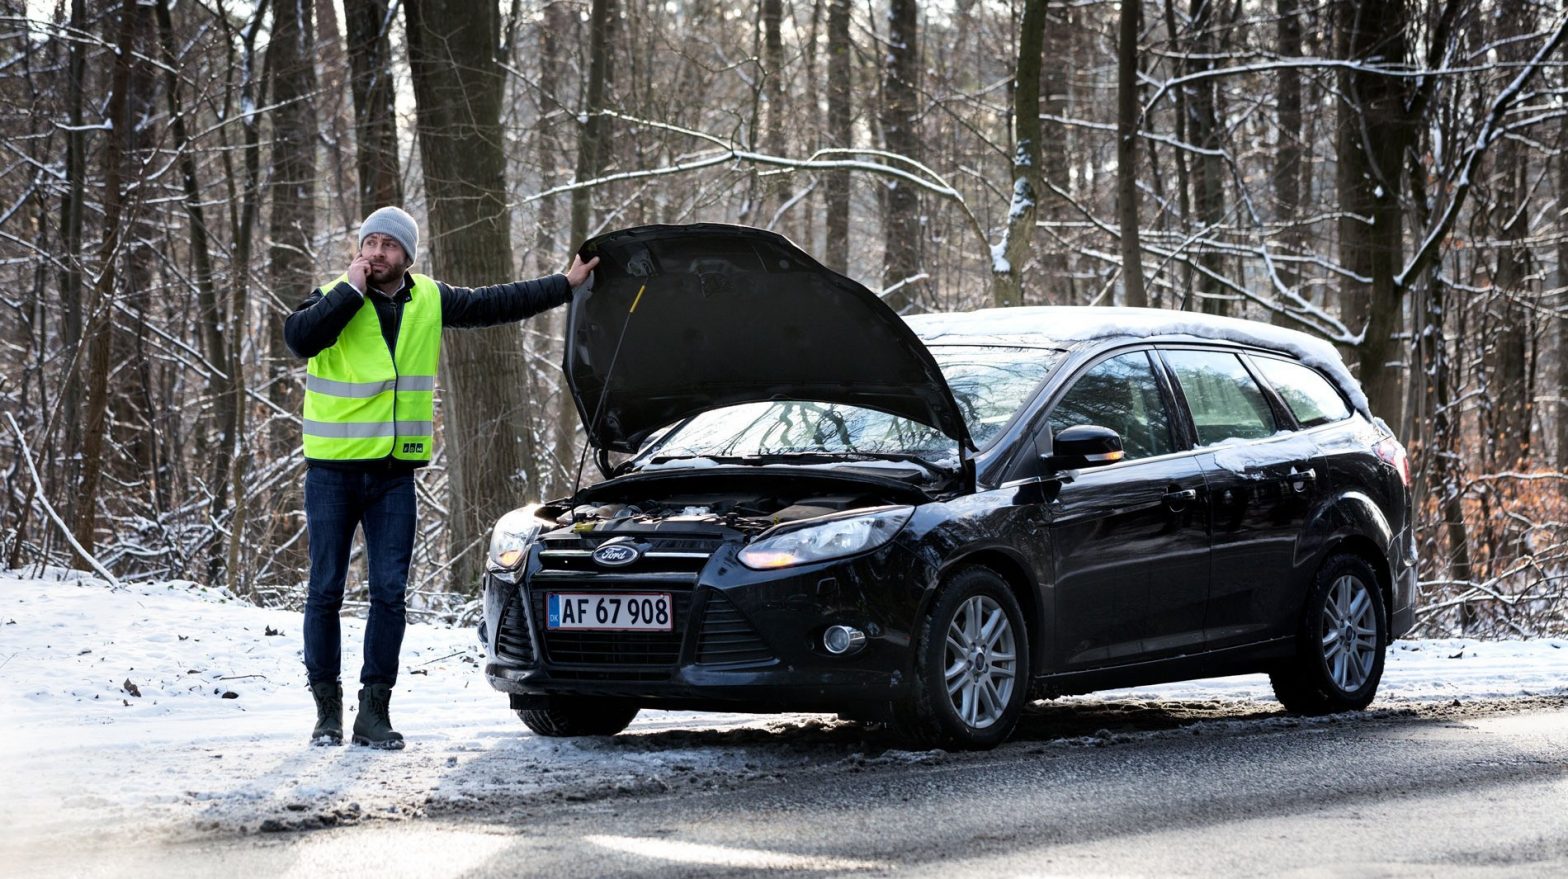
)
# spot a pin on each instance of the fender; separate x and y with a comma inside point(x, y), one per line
point(992, 528)
point(1343, 515)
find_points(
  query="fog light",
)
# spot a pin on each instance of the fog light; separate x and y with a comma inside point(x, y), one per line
point(839, 640)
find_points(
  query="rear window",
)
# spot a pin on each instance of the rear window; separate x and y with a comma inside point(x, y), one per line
point(1310, 396)
point(1225, 402)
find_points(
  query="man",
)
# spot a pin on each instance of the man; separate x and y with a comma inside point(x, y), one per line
point(373, 338)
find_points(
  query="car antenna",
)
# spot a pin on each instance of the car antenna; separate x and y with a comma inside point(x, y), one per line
point(604, 393)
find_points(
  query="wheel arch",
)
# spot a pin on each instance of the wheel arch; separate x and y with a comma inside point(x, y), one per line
point(1367, 550)
point(1014, 571)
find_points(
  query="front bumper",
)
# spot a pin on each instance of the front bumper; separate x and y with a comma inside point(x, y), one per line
point(742, 640)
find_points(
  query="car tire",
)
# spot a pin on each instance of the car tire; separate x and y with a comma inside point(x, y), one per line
point(1340, 642)
point(971, 666)
point(579, 717)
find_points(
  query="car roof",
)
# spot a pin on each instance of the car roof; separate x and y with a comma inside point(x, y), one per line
point(1049, 326)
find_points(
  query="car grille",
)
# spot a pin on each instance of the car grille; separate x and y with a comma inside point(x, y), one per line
point(512, 640)
point(678, 553)
point(671, 562)
point(661, 649)
point(727, 638)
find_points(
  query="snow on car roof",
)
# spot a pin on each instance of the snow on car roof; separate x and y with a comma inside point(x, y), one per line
point(1062, 326)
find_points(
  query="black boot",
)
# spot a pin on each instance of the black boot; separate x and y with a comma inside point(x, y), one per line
point(373, 726)
point(329, 713)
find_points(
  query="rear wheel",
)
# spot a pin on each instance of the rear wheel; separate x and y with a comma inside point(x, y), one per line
point(971, 663)
point(1340, 643)
point(579, 717)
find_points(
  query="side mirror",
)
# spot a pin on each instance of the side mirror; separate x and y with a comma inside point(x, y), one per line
point(1085, 445)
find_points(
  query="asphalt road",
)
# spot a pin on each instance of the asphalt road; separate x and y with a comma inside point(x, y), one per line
point(1479, 790)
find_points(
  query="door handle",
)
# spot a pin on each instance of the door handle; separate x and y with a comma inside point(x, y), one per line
point(1299, 480)
point(1178, 500)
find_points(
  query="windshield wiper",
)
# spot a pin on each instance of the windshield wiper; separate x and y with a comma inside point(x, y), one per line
point(851, 457)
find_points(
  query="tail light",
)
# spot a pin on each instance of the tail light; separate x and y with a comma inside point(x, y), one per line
point(1390, 452)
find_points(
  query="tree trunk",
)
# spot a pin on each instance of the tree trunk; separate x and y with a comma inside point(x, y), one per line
point(776, 143)
point(1288, 154)
point(1183, 178)
point(210, 320)
point(839, 134)
point(291, 269)
point(368, 25)
point(1374, 132)
point(332, 112)
point(99, 322)
point(590, 162)
point(1561, 407)
point(903, 232)
point(71, 289)
point(245, 219)
point(1056, 286)
point(1208, 169)
point(1018, 241)
point(458, 90)
point(1512, 394)
point(1127, 154)
point(590, 143)
point(556, 20)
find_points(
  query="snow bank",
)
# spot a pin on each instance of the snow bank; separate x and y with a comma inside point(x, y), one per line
point(1060, 326)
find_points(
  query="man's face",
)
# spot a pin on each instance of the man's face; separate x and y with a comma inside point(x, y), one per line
point(386, 256)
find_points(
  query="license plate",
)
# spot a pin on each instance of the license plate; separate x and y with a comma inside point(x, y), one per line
point(602, 612)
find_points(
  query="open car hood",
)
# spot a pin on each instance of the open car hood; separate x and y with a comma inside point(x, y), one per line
point(684, 319)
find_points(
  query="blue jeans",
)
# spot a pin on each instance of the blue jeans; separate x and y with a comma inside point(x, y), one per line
point(336, 502)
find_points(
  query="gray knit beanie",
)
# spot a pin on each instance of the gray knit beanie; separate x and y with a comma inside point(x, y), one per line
point(395, 222)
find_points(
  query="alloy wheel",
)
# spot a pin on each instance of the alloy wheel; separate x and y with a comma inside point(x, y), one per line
point(981, 661)
point(1349, 633)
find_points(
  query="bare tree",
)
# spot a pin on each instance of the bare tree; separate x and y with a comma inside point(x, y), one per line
point(291, 192)
point(458, 90)
point(901, 111)
point(1127, 116)
point(840, 134)
point(1018, 240)
point(368, 30)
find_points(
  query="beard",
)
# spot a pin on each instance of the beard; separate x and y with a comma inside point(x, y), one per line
point(381, 273)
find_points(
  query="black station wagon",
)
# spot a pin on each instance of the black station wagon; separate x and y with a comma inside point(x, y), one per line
point(812, 504)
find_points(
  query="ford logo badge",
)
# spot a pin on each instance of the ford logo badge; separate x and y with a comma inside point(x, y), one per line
point(616, 555)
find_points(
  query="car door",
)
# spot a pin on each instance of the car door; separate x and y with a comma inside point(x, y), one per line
point(1129, 540)
point(1262, 477)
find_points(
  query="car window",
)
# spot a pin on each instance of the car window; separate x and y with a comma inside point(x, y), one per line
point(989, 382)
point(1120, 393)
point(1308, 394)
point(1225, 402)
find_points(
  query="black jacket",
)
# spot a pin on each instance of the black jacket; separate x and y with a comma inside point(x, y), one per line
point(320, 318)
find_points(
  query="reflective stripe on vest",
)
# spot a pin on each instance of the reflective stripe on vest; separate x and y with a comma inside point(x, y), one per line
point(362, 402)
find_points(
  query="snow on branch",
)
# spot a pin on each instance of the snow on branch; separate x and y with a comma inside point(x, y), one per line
point(1491, 129)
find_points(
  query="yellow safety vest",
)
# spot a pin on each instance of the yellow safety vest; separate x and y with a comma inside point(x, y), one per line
point(361, 402)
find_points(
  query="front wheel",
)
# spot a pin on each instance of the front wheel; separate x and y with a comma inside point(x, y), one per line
point(568, 717)
point(1340, 644)
point(971, 665)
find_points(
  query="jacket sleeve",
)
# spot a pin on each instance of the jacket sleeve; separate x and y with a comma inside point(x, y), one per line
point(502, 303)
point(315, 324)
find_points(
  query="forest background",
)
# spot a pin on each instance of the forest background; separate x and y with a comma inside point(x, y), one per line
point(176, 175)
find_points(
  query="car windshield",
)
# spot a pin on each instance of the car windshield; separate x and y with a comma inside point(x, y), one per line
point(989, 382)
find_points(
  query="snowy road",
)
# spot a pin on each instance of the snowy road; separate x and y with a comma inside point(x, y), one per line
point(1477, 790)
point(1461, 762)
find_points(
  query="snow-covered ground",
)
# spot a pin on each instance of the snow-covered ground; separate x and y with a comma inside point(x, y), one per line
point(176, 708)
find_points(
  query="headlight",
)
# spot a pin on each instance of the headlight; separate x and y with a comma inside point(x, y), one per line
point(512, 535)
point(828, 540)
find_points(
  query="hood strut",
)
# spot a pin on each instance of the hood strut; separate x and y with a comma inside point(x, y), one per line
point(603, 456)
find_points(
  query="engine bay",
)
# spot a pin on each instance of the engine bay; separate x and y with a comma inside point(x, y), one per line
point(748, 514)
